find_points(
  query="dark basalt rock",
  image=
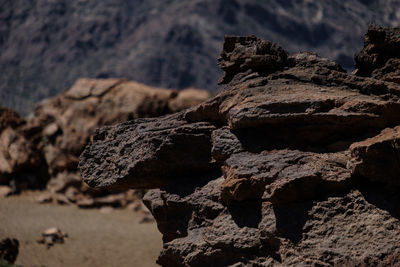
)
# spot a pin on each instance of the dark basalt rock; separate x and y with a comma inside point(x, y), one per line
point(161, 148)
point(9, 250)
point(378, 158)
point(381, 54)
point(287, 166)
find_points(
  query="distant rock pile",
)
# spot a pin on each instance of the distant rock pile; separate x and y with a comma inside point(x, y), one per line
point(43, 151)
point(294, 163)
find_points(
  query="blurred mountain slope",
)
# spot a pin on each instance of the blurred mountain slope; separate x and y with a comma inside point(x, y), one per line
point(45, 45)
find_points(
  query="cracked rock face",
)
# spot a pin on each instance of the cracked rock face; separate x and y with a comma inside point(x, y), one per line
point(294, 163)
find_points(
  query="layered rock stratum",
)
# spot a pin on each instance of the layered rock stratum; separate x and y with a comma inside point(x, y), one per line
point(45, 46)
point(294, 163)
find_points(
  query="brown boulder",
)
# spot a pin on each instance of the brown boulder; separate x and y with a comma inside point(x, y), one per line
point(378, 158)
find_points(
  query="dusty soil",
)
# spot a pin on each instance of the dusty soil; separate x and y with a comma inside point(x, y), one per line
point(95, 238)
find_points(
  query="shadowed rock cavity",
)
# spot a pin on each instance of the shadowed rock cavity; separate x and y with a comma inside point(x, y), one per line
point(289, 165)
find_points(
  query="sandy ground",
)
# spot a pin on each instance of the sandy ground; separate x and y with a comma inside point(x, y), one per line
point(95, 238)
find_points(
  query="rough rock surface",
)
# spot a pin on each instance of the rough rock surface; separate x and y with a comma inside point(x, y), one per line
point(45, 46)
point(380, 57)
point(297, 165)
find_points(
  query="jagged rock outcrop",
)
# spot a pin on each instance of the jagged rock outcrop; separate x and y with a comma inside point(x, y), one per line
point(296, 164)
point(380, 57)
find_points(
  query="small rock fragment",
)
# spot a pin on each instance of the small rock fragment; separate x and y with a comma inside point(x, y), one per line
point(51, 236)
point(9, 250)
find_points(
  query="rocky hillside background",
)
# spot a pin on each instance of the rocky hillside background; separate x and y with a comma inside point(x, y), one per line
point(45, 45)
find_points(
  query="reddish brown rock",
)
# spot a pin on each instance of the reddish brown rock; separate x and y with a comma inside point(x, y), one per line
point(378, 158)
point(284, 176)
point(286, 166)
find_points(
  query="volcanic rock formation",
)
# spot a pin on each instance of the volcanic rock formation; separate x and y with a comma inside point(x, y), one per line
point(294, 163)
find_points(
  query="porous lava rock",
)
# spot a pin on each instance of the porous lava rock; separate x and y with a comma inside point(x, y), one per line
point(296, 165)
